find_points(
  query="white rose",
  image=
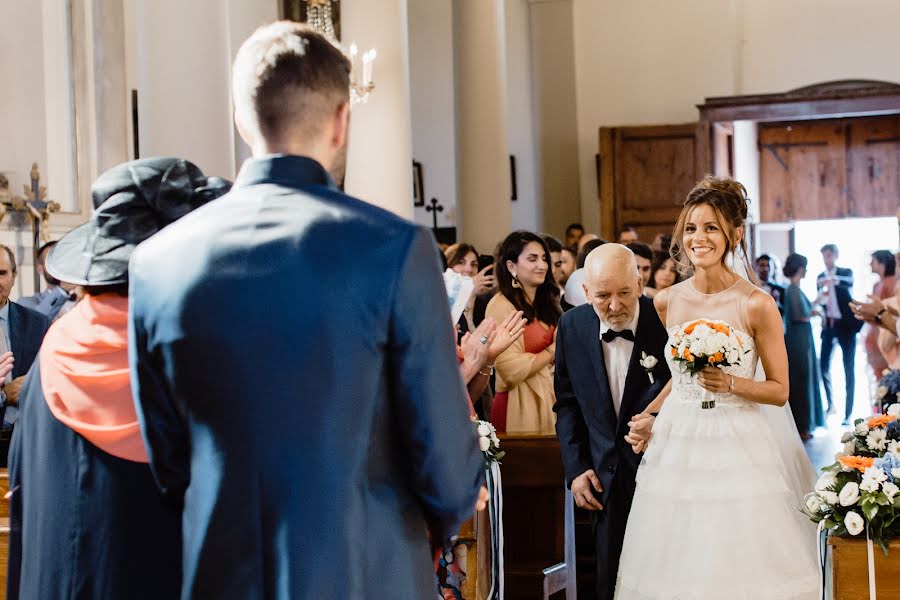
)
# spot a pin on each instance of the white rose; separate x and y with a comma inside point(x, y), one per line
point(826, 480)
point(877, 439)
point(881, 392)
point(846, 437)
point(890, 490)
point(830, 498)
point(484, 443)
point(854, 523)
point(850, 448)
point(849, 494)
point(484, 430)
point(862, 428)
point(812, 503)
point(894, 410)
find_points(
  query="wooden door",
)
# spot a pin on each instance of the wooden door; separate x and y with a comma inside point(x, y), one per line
point(646, 173)
point(873, 160)
point(803, 171)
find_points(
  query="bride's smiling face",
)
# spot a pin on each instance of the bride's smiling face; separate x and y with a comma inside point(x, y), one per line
point(704, 240)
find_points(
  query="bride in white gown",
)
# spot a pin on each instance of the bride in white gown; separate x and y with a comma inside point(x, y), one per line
point(716, 512)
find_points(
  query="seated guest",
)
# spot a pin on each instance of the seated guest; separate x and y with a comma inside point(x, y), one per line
point(57, 298)
point(21, 332)
point(87, 518)
point(767, 282)
point(643, 255)
point(573, 234)
point(524, 399)
point(628, 235)
point(574, 292)
point(805, 396)
point(663, 274)
point(462, 258)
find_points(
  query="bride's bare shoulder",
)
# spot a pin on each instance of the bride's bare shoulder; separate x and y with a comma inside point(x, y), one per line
point(661, 303)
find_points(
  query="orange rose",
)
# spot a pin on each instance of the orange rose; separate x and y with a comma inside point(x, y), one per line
point(686, 355)
point(880, 421)
point(674, 351)
point(717, 358)
point(860, 463)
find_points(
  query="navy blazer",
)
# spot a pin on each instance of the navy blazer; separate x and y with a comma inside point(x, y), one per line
point(848, 323)
point(590, 434)
point(27, 328)
point(296, 380)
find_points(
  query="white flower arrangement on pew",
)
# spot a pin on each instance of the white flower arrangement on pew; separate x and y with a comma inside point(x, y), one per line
point(488, 442)
point(861, 491)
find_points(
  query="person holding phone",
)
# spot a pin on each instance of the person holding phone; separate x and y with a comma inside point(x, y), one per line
point(463, 258)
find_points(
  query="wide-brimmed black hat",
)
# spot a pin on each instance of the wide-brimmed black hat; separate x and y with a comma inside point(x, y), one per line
point(132, 201)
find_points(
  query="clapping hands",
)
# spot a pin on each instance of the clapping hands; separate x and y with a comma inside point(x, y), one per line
point(640, 431)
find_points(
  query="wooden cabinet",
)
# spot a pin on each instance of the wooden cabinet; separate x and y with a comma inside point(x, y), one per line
point(646, 172)
point(829, 169)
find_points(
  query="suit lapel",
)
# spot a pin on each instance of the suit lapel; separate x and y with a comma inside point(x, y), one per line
point(592, 331)
point(15, 341)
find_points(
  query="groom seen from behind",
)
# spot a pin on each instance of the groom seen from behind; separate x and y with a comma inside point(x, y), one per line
point(609, 366)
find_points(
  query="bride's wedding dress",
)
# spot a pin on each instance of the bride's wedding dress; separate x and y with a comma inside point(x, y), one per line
point(716, 511)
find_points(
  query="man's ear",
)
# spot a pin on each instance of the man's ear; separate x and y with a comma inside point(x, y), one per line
point(341, 125)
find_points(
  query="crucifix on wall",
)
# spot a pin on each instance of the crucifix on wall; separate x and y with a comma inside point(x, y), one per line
point(35, 207)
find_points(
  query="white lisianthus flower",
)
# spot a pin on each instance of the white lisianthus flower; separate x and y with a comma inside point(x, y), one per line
point(850, 448)
point(732, 356)
point(846, 437)
point(890, 490)
point(830, 498)
point(854, 523)
point(826, 480)
point(881, 392)
point(484, 430)
point(877, 439)
point(849, 494)
point(862, 428)
point(484, 443)
point(894, 410)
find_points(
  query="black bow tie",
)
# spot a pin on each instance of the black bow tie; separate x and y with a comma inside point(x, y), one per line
point(612, 334)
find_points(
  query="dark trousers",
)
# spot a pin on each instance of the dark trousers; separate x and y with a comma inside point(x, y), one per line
point(609, 532)
point(847, 341)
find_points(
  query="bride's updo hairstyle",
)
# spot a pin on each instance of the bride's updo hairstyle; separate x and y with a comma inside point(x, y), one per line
point(728, 198)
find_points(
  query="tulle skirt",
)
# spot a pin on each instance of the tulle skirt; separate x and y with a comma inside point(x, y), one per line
point(713, 516)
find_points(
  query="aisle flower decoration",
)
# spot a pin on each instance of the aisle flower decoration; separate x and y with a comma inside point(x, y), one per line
point(488, 442)
point(705, 343)
point(888, 391)
point(862, 489)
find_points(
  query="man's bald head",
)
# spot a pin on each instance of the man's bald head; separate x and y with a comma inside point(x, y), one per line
point(613, 284)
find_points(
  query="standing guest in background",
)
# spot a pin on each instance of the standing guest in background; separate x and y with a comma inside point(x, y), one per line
point(462, 258)
point(603, 342)
point(628, 235)
point(662, 242)
point(586, 239)
point(56, 298)
point(643, 256)
point(768, 283)
point(840, 325)
point(663, 274)
point(805, 396)
point(569, 259)
point(883, 265)
point(556, 260)
point(575, 284)
point(21, 333)
point(573, 234)
point(355, 432)
point(524, 399)
point(87, 518)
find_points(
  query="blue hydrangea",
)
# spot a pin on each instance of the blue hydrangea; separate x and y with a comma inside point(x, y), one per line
point(886, 463)
point(891, 381)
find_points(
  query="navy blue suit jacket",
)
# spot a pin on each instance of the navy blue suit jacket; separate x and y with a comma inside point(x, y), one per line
point(296, 379)
point(27, 328)
point(590, 434)
point(848, 323)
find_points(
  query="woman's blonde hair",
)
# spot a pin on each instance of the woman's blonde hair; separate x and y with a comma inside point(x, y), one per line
point(728, 199)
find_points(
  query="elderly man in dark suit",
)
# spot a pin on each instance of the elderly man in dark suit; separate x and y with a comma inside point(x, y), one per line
point(609, 367)
point(21, 333)
point(318, 478)
point(840, 325)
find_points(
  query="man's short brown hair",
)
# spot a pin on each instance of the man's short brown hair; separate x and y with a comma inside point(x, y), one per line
point(288, 79)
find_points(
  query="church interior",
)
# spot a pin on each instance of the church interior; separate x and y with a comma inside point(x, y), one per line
point(476, 118)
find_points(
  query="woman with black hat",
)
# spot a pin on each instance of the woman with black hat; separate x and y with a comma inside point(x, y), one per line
point(87, 519)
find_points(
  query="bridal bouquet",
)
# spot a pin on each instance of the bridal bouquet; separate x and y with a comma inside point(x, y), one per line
point(488, 442)
point(860, 491)
point(888, 390)
point(704, 343)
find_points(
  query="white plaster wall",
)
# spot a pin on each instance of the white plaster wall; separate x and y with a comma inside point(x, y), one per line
point(652, 61)
point(432, 105)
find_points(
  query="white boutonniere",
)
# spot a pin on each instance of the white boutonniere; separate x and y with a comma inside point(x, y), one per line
point(648, 362)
